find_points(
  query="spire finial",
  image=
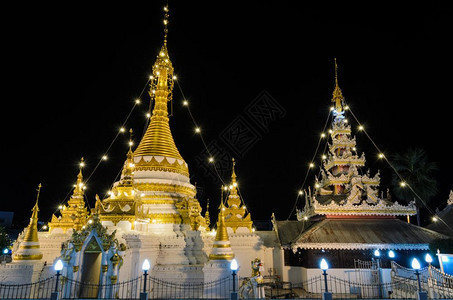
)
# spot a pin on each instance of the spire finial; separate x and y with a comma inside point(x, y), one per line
point(337, 96)
point(130, 140)
point(166, 15)
point(39, 191)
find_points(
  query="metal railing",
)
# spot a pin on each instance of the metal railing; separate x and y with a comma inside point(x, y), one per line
point(438, 286)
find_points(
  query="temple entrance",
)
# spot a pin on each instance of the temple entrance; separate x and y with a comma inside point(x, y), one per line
point(91, 270)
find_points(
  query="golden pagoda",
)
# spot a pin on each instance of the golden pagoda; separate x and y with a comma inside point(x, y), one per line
point(164, 194)
point(236, 214)
point(221, 248)
point(74, 215)
point(29, 248)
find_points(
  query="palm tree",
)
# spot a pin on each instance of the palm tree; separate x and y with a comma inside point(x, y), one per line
point(417, 172)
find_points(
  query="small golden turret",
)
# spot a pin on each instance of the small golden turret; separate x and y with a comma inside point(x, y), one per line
point(74, 215)
point(29, 248)
point(221, 249)
point(236, 214)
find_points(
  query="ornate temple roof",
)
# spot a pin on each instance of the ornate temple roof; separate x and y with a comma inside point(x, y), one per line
point(343, 188)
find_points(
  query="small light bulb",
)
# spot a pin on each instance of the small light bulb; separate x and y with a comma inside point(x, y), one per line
point(175, 77)
point(323, 135)
point(381, 155)
point(60, 207)
point(104, 157)
point(324, 156)
point(346, 107)
point(332, 108)
point(300, 192)
point(197, 129)
point(402, 184)
point(311, 165)
point(90, 221)
point(211, 159)
point(131, 143)
point(361, 127)
point(148, 115)
point(185, 102)
point(434, 219)
point(122, 129)
point(137, 101)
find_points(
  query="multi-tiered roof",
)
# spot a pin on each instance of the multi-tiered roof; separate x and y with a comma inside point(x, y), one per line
point(343, 188)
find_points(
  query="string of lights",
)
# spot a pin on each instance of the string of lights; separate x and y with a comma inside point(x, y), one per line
point(104, 156)
point(403, 183)
point(311, 165)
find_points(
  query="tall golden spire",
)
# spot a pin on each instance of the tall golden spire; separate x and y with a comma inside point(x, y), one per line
point(158, 140)
point(337, 96)
point(29, 246)
point(221, 248)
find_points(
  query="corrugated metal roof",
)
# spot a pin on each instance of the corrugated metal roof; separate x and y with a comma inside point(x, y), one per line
point(447, 216)
point(360, 234)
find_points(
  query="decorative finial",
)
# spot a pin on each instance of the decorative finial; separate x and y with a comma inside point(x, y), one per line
point(82, 163)
point(39, 191)
point(130, 140)
point(337, 96)
point(166, 15)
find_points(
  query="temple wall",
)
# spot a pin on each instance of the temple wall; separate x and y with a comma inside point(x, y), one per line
point(20, 273)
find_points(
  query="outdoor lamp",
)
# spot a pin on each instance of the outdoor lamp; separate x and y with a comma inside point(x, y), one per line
point(58, 267)
point(428, 258)
point(421, 295)
point(416, 267)
point(391, 254)
point(145, 267)
point(324, 267)
point(234, 267)
point(377, 253)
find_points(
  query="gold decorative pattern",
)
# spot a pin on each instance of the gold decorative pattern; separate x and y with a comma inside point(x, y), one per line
point(164, 165)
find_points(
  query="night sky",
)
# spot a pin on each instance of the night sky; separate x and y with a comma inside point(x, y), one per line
point(72, 73)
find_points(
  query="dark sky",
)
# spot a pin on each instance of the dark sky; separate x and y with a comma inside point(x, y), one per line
point(71, 74)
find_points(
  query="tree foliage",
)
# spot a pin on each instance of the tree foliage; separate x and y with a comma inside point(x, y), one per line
point(418, 172)
point(5, 241)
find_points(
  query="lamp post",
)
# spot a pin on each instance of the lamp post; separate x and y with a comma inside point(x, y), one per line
point(145, 268)
point(420, 295)
point(58, 267)
point(429, 260)
point(377, 255)
point(324, 267)
point(234, 267)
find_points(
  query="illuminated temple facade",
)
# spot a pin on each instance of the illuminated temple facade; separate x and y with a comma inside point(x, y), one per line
point(152, 212)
